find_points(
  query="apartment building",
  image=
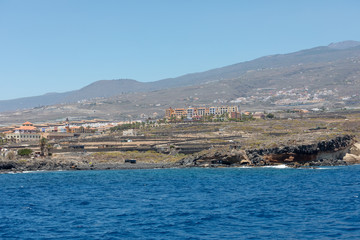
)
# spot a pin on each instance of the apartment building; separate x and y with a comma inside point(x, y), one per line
point(169, 112)
point(213, 110)
point(193, 112)
point(203, 111)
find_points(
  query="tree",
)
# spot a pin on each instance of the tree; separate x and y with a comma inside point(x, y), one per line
point(2, 138)
point(245, 117)
point(43, 144)
point(208, 118)
point(270, 115)
point(24, 152)
point(48, 149)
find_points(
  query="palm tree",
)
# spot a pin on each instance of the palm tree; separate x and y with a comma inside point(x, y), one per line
point(43, 144)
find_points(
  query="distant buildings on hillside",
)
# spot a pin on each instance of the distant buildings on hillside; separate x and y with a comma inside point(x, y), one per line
point(196, 113)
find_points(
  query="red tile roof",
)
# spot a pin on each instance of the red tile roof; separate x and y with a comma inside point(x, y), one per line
point(26, 128)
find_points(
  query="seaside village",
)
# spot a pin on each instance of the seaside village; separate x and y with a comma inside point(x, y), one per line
point(28, 131)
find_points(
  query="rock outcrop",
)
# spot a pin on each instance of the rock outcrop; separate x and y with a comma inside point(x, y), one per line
point(352, 159)
point(354, 156)
point(324, 153)
point(218, 156)
point(36, 164)
point(80, 163)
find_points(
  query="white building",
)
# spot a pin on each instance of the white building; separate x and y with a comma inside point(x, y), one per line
point(26, 133)
point(23, 137)
point(129, 133)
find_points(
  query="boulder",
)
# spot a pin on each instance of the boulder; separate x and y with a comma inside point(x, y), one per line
point(355, 149)
point(352, 159)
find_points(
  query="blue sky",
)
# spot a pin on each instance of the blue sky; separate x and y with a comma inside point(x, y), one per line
point(56, 46)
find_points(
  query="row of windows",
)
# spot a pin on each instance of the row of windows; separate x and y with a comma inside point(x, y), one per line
point(30, 136)
point(24, 136)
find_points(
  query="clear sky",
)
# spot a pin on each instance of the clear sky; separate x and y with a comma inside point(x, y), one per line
point(61, 45)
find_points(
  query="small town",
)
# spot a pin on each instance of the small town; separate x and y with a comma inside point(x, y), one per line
point(32, 132)
point(179, 119)
point(172, 137)
point(15, 136)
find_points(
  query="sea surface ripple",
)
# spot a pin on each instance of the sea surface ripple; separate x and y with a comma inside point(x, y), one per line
point(231, 203)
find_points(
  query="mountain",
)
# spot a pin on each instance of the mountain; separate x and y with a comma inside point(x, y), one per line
point(334, 65)
point(107, 88)
point(98, 89)
point(344, 44)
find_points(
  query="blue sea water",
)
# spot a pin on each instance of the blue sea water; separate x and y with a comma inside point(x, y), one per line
point(231, 203)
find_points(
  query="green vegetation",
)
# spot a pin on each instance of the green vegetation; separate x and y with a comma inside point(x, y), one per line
point(43, 142)
point(45, 147)
point(217, 141)
point(126, 126)
point(2, 139)
point(270, 115)
point(24, 152)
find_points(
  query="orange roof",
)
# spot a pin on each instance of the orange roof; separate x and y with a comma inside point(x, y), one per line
point(41, 125)
point(90, 121)
point(27, 123)
point(26, 128)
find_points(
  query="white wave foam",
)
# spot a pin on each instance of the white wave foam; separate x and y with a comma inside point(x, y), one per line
point(20, 172)
point(277, 166)
point(325, 168)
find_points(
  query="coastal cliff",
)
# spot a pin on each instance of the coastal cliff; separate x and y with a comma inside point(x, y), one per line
point(323, 153)
point(341, 150)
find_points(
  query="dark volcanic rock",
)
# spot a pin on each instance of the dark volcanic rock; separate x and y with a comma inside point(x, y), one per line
point(328, 153)
point(7, 165)
point(216, 156)
point(51, 164)
point(324, 153)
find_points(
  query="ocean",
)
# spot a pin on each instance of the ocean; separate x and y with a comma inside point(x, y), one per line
point(196, 203)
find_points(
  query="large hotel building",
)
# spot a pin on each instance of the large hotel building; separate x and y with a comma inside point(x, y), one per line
point(199, 112)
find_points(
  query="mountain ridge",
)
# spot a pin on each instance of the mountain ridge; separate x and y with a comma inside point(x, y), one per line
point(111, 88)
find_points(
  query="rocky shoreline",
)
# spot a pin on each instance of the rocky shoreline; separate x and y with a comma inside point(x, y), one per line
point(49, 164)
point(342, 150)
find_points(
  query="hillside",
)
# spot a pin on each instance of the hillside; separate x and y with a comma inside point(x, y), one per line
point(318, 77)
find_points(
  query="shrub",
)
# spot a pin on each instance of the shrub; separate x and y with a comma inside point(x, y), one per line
point(24, 152)
point(270, 115)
